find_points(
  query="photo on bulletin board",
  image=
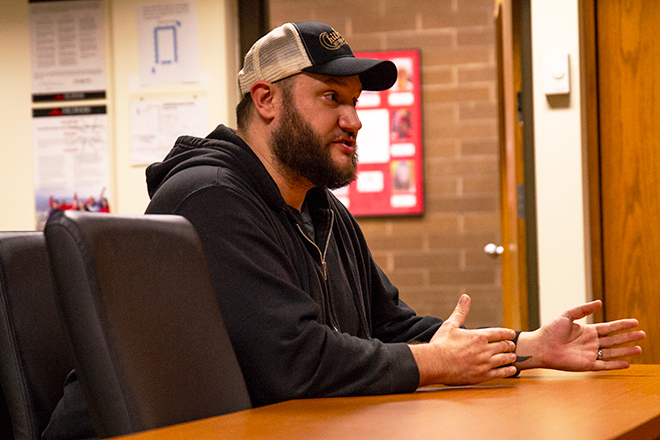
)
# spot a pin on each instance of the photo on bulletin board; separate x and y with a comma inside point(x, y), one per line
point(390, 169)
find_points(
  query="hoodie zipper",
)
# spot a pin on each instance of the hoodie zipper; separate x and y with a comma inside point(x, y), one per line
point(322, 255)
point(325, 248)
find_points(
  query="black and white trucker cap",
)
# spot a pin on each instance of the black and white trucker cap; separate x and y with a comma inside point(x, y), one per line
point(312, 47)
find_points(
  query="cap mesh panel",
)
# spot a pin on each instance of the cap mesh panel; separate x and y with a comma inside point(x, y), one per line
point(275, 56)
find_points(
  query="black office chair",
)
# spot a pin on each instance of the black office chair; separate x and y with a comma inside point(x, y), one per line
point(6, 429)
point(150, 345)
point(34, 356)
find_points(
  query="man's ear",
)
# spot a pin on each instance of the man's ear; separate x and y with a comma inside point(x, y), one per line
point(264, 96)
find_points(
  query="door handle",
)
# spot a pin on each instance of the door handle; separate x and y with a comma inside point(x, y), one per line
point(493, 250)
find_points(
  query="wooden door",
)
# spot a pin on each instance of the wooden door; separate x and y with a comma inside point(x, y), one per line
point(628, 96)
point(514, 269)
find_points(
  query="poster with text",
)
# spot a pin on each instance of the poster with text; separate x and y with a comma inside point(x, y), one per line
point(390, 170)
point(68, 50)
point(71, 167)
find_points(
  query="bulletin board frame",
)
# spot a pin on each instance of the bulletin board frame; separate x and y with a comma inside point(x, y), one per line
point(390, 168)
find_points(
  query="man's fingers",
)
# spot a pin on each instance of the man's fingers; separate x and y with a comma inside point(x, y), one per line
point(502, 359)
point(611, 365)
point(619, 352)
point(579, 312)
point(457, 317)
point(505, 346)
point(500, 334)
point(606, 328)
point(622, 338)
point(501, 373)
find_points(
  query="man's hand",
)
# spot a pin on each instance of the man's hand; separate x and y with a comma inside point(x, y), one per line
point(457, 356)
point(563, 344)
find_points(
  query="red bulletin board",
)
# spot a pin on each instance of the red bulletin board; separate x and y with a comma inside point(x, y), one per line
point(390, 172)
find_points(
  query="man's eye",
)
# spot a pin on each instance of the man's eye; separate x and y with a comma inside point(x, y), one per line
point(332, 96)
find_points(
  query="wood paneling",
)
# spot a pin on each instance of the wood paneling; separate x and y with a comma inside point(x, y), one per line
point(629, 121)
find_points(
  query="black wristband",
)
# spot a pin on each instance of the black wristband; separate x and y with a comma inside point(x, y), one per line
point(518, 358)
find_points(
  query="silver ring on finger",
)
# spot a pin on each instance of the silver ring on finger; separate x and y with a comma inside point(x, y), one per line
point(600, 354)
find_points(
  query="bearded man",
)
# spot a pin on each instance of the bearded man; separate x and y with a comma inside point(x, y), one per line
point(308, 311)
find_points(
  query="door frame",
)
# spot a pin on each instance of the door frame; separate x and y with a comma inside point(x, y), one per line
point(589, 67)
point(517, 178)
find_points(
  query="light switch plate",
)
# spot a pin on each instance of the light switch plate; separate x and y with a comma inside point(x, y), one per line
point(556, 74)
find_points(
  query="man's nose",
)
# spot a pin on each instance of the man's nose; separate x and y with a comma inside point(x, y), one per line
point(349, 120)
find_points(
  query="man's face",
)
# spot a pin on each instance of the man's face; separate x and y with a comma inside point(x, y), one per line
point(320, 149)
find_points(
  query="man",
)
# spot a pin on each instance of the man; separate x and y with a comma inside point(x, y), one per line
point(308, 311)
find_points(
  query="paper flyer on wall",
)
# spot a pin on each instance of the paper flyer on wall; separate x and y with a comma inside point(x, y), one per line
point(168, 43)
point(67, 50)
point(157, 123)
point(71, 166)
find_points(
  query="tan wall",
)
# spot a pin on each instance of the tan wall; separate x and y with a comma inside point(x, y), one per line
point(17, 211)
point(435, 258)
point(218, 36)
point(562, 200)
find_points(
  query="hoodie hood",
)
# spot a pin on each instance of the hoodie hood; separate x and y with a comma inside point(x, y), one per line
point(220, 148)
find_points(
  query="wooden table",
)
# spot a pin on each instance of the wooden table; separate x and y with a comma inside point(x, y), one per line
point(540, 404)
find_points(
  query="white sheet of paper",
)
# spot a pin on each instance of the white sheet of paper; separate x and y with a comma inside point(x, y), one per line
point(168, 43)
point(374, 137)
point(67, 45)
point(156, 124)
point(403, 200)
point(370, 181)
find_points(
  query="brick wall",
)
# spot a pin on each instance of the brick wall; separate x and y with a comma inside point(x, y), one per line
point(435, 258)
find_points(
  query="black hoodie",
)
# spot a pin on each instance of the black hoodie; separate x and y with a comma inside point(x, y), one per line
point(308, 316)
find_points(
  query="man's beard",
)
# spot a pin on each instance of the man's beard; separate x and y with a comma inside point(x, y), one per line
point(297, 146)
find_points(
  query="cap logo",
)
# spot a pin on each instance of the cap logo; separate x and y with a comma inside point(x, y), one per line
point(331, 40)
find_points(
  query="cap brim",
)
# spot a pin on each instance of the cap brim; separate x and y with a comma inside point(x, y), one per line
point(374, 74)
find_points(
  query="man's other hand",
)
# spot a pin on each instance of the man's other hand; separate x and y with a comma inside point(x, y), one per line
point(456, 356)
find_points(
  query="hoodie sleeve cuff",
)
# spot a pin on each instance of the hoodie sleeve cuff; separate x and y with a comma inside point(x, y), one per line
point(404, 373)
